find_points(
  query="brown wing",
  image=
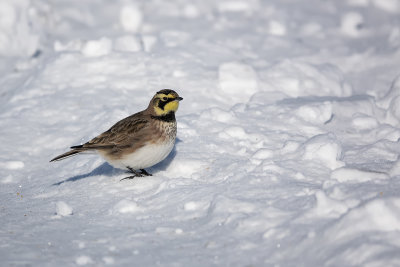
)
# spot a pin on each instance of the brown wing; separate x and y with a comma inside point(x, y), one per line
point(122, 134)
point(131, 132)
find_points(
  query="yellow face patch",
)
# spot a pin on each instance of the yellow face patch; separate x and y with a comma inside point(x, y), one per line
point(161, 96)
point(171, 106)
point(163, 107)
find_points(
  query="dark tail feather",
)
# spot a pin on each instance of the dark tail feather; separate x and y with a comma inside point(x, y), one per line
point(67, 154)
point(92, 147)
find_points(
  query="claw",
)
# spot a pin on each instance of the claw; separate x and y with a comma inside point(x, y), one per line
point(142, 173)
point(130, 177)
point(127, 178)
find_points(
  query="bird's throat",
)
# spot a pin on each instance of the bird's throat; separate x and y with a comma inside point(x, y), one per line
point(169, 117)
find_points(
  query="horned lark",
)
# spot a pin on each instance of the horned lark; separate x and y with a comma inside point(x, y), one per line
point(140, 140)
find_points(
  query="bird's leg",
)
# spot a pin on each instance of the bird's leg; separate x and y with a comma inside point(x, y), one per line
point(144, 172)
point(135, 174)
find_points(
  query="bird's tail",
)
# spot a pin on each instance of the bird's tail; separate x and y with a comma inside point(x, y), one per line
point(67, 154)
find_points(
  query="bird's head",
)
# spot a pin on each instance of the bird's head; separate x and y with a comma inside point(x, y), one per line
point(165, 102)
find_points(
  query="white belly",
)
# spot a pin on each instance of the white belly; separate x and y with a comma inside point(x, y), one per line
point(144, 157)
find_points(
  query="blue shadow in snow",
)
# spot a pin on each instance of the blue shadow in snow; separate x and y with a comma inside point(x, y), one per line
point(103, 169)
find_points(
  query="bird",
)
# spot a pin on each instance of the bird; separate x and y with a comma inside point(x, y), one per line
point(139, 141)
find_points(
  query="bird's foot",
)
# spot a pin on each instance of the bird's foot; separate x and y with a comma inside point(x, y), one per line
point(135, 174)
point(129, 177)
point(145, 173)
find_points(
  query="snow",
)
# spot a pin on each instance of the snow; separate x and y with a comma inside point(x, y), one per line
point(324, 149)
point(63, 209)
point(288, 135)
point(96, 48)
point(276, 28)
point(390, 6)
point(84, 260)
point(354, 175)
point(352, 24)
point(237, 81)
point(131, 18)
point(12, 165)
point(127, 206)
point(17, 33)
point(127, 43)
point(327, 207)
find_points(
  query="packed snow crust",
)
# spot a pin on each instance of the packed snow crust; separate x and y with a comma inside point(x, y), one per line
point(288, 134)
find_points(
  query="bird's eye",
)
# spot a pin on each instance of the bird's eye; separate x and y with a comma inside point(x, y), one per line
point(164, 98)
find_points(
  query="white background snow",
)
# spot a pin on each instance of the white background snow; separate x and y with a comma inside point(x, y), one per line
point(288, 134)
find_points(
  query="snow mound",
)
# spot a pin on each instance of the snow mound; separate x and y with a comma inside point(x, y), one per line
point(12, 165)
point(352, 24)
point(17, 35)
point(96, 48)
point(127, 206)
point(327, 207)
point(235, 6)
point(63, 209)
point(363, 122)
point(235, 132)
point(297, 79)
point(276, 28)
point(84, 260)
point(356, 176)
point(127, 43)
point(316, 113)
point(238, 81)
point(390, 6)
point(324, 148)
point(264, 153)
point(377, 215)
point(131, 18)
point(184, 168)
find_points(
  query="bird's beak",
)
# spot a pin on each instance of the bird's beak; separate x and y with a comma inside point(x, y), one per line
point(179, 98)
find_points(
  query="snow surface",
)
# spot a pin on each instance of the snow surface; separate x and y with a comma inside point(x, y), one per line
point(288, 134)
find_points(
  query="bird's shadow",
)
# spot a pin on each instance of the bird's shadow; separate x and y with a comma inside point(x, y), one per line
point(103, 169)
point(108, 170)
